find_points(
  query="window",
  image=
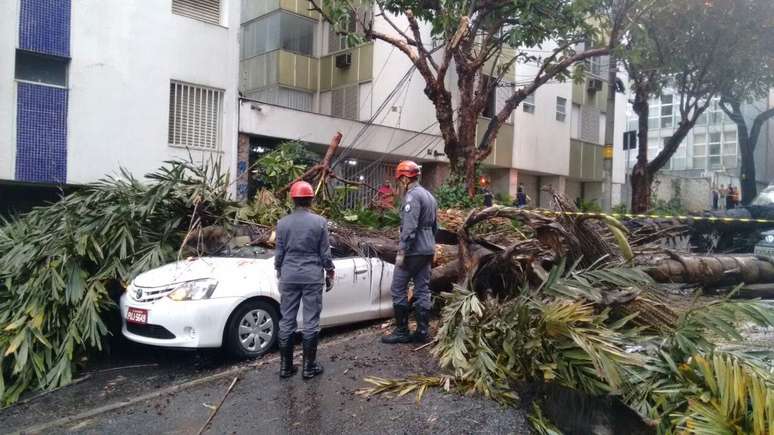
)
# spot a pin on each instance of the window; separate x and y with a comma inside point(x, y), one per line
point(38, 68)
point(529, 103)
point(714, 150)
point(297, 34)
point(561, 109)
point(666, 111)
point(338, 42)
point(344, 102)
point(194, 115)
point(278, 31)
point(490, 108)
point(202, 10)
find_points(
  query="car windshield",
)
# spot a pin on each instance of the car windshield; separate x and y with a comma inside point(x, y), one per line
point(766, 197)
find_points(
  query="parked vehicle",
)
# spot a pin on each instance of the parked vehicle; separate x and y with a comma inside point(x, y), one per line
point(736, 235)
point(233, 302)
point(765, 247)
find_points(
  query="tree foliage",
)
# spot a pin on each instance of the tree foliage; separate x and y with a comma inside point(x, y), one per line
point(677, 375)
point(58, 264)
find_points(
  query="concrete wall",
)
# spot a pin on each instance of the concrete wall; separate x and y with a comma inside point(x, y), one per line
point(9, 31)
point(124, 54)
point(541, 143)
point(695, 193)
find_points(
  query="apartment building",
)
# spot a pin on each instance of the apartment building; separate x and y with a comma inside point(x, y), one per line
point(88, 87)
point(710, 151)
point(301, 81)
point(557, 139)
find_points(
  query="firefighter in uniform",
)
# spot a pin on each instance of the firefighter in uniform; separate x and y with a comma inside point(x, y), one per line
point(415, 256)
point(303, 253)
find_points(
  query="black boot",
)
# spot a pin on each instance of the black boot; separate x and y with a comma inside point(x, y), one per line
point(422, 334)
point(311, 367)
point(401, 332)
point(287, 369)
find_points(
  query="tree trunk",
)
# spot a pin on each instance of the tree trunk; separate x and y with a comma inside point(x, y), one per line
point(641, 181)
point(733, 108)
point(640, 178)
point(747, 171)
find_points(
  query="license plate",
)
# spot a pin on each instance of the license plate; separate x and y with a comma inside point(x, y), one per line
point(137, 315)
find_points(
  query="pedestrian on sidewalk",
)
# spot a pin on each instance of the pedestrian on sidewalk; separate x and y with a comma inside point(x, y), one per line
point(303, 253)
point(723, 195)
point(414, 260)
point(521, 196)
point(715, 198)
point(730, 197)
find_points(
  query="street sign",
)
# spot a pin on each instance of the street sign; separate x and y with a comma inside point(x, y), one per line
point(630, 140)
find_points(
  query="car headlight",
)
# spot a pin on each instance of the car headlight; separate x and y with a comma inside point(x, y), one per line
point(194, 290)
point(769, 239)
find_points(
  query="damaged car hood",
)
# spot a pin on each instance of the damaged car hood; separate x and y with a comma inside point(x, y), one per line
point(222, 269)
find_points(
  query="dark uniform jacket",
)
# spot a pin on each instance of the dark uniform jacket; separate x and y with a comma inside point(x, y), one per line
point(303, 249)
point(418, 222)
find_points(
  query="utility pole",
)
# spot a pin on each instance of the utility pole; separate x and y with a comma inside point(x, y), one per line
point(607, 152)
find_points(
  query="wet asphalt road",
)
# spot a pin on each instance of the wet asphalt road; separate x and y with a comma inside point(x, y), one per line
point(175, 396)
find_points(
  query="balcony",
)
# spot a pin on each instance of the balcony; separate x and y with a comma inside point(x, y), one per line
point(585, 160)
point(361, 69)
point(279, 67)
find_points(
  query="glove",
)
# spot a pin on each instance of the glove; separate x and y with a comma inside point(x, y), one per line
point(329, 280)
point(400, 259)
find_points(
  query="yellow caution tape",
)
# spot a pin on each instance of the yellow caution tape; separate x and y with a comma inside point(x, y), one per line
point(653, 216)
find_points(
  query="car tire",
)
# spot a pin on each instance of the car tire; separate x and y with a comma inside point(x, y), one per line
point(252, 329)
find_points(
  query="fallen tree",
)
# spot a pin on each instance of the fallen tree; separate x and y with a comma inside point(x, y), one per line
point(59, 264)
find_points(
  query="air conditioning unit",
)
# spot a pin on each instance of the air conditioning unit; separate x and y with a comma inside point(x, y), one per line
point(594, 85)
point(343, 60)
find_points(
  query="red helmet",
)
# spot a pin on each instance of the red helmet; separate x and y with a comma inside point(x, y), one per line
point(301, 189)
point(407, 168)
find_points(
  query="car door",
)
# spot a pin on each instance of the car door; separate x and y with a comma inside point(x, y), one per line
point(350, 298)
point(381, 281)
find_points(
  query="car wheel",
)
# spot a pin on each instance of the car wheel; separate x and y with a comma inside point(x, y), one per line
point(253, 329)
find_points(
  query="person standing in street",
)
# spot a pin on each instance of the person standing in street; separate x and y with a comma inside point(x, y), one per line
point(303, 253)
point(715, 197)
point(414, 260)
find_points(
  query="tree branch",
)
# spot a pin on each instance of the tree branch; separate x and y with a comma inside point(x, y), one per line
point(758, 125)
point(545, 74)
point(414, 26)
point(394, 26)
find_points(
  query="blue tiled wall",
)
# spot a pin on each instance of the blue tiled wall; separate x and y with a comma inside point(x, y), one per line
point(41, 134)
point(44, 26)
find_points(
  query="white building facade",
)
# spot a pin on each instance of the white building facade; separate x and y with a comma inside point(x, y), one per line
point(88, 87)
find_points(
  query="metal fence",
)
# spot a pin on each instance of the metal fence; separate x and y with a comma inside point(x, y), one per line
point(368, 172)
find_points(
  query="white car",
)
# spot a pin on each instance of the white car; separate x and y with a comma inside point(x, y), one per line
point(229, 302)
